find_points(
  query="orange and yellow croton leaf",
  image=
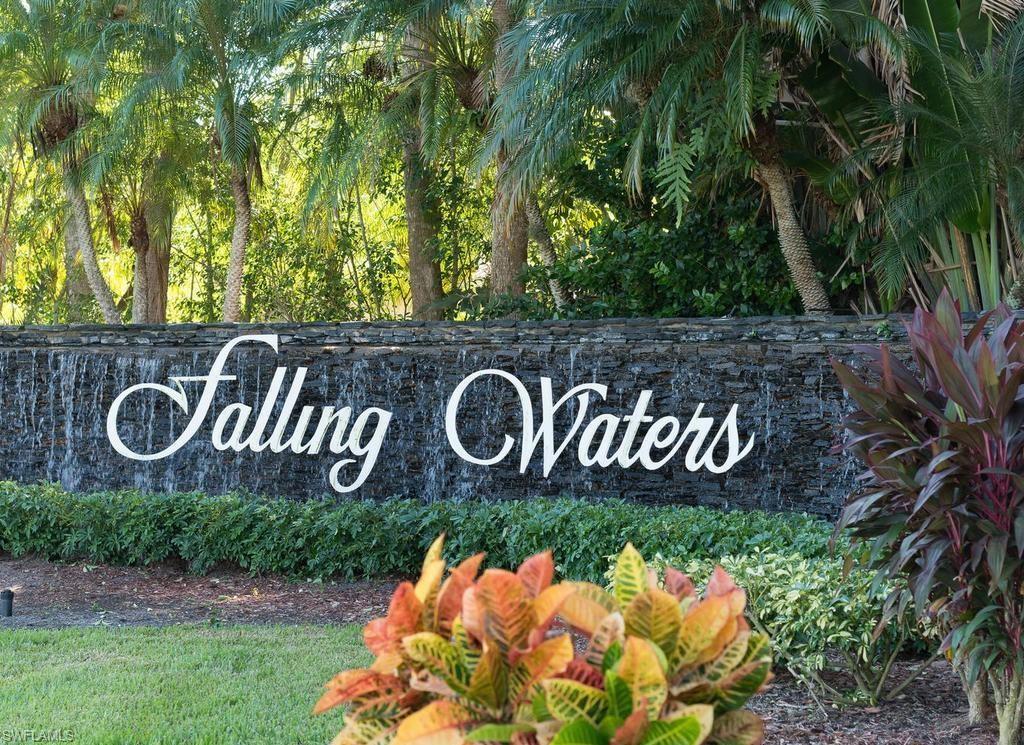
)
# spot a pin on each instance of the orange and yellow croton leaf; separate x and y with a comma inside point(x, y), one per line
point(583, 672)
point(489, 684)
point(545, 608)
point(546, 660)
point(569, 701)
point(537, 572)
point(678, 584)
point(437, 655)
point(703, 713)
point(587, 607)
point(404, 612)
point(449, 598)
point(365, 732)
point(739, 727)
point(641, 669)
point(701, 627)
point(498, 607)
point(352, 684)
point(632, 730)
point(610, 630)
point(629, 575)
point(437, 723)
point(655, 615)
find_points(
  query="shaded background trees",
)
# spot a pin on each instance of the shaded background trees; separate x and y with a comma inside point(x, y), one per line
point(332, 159)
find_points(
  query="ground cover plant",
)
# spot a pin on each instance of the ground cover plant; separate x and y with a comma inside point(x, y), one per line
point(321, 539)
point(199, 683)
point(942, 506)
point(470, 659)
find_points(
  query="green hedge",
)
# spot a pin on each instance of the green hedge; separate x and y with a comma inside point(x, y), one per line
point(321, 539)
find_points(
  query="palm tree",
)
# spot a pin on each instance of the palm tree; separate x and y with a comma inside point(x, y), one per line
point(960, 201)
point(45, 78)
point(221, 56)
point(371, 80)
point(144, 159)
point(442, 64)
point(707, 81)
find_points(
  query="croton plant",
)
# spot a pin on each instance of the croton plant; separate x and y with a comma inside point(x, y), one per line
point(464, 658)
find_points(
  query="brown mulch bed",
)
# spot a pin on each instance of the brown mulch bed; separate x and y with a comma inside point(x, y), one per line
point(932, 710)
point(51, 595)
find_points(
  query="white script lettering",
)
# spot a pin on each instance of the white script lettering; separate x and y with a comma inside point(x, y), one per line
point(600, 442)
point(232, 429)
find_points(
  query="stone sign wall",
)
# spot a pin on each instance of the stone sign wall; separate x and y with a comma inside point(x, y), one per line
point(57, 385)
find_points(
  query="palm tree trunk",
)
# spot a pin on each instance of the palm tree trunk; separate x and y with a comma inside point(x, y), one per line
point(509, 228)
point(792, 238)
point(422, 226)
point(5, 226)
point(76, 290)
point(540, 234)
point(139, 241)
point(239, 240)
point(81, 232)
point(160, 219)
point(421, 218)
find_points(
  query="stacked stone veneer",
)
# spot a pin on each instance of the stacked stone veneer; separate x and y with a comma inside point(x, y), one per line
point(57, 383)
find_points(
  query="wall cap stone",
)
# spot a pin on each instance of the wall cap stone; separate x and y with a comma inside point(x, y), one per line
point(832, 329)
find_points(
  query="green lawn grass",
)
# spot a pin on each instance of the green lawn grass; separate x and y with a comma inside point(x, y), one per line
point(182, 684)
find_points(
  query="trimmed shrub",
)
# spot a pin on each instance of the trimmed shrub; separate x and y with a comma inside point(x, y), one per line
point(823, 618)
point(357, 538)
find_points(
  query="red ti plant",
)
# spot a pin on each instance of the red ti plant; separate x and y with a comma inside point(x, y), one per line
point(941, 502)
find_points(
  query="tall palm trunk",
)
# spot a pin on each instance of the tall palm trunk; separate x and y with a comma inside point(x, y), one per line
point(792, 238)
point(239, 240)
point(160, 220)
point(509, 228)
point(76, 289)
point(422, 225)
point(5, 225)
point(542, 236)
point(139, 242)
point(81, 233)
point(421, 218)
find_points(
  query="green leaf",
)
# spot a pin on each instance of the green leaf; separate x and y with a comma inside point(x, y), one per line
point(568, 701)
point(497, 732)
point(630, 578)
point(995, 556)
point(672, 176)
point(685, 731)
point(579, 733)
point(620, 700)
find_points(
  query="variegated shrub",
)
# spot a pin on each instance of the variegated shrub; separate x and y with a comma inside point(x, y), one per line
point(686, 659)
point(456, 654)
point(467, 659)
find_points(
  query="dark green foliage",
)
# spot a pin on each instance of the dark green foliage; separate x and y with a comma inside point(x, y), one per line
point(320, 539)
point(718, 261)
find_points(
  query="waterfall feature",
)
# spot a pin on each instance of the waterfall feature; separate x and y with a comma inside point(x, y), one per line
point(57, 385)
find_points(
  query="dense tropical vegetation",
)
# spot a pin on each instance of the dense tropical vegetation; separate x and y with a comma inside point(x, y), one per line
point(940, 507)
point(333, 159)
